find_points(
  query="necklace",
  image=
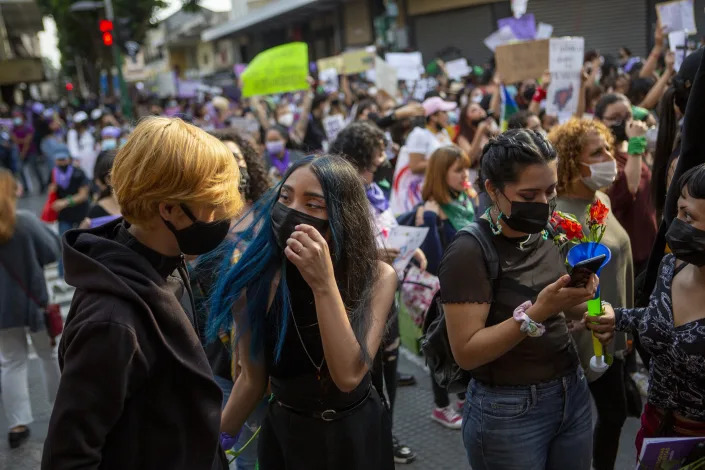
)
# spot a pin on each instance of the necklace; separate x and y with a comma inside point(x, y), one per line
point(303, 345)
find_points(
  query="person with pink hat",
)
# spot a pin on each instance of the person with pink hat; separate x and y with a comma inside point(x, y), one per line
point(414, 155)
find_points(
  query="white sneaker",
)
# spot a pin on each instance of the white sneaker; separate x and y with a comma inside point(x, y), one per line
point(447, 417)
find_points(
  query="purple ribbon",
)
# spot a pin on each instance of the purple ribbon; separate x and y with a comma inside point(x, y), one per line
point(63, 178)
point(376, 197)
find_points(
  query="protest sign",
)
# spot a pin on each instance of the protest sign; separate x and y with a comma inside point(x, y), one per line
point(519, 8)
point(423, 86)
point(358, 61)
point(565, 63)
point(335, 62)
point(678, 15)
point(409, 65)
point(385, 77)
point(277, 70)
point(329, 80)
point(406, 240)
point(333, 125)
point(458, 68)
point(678, 43)
point(499, 38)
point(248, 126)
point(544, 31)
point(523, 28)
point(523, 60)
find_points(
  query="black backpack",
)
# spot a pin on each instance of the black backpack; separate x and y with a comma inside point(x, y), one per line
point(434, 342)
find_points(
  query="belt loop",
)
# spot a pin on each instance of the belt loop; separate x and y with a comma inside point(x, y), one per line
point(534, 398)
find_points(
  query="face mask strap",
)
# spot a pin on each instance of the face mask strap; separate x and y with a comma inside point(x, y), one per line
point(188, 212)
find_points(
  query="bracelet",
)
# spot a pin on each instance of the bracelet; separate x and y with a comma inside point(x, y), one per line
point(532, 328)
point(637, 145)
point(539, 95)
point(71, 203)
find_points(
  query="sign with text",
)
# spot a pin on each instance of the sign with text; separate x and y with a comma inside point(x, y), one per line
point(458, 68)
point(358, 61)
point(329, 79)
point(335, 62)
point(409, 65)
point(565, 63)
point(678, 15)
point(333, 125)
point(521, 61)
point(280, 69)
point(386, 77)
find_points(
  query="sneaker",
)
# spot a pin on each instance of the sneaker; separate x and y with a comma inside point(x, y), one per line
point(402, 453)
point(447, 417)
point(405, 380)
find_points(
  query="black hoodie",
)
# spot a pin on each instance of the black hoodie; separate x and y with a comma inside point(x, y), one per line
point(136, 390)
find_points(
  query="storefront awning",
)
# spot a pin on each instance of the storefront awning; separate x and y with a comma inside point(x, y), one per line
point(268, 13)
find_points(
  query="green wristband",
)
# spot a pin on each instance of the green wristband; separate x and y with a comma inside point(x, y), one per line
point(637, 145)
point(71, 203)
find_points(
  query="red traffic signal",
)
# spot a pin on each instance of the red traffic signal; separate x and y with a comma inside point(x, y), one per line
point(69, 86)
point(105, 26)
point(108, 38)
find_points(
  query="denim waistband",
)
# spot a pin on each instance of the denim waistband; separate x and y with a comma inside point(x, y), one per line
point(558, 385)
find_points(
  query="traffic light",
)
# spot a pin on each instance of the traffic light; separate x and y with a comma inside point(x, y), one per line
point(69, 86)
point(106, 27)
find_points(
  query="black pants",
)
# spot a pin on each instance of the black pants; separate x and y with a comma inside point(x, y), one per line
point(611, 403)
point(440, 395)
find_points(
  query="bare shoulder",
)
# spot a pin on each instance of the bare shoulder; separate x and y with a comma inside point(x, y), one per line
point(386, 274)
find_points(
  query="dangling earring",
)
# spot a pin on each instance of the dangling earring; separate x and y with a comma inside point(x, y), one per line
point(496, 228)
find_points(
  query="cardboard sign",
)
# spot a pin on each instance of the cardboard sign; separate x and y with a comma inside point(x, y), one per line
point(385, 77)
point(521, 61)
point(335, 62)
point(678, 15)
point(409, 65)
point(280, 69)
point(359, 61)
point(565, 63)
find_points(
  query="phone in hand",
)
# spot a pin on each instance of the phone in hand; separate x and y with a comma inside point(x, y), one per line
point(580, 274)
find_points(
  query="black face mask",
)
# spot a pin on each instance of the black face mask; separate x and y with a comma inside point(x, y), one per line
point(374, 117)
point(62, 166)
point(619, 131)
point(200, 237)
point(686, 242)
point(529, 217)
point(244, 186)
point(285, 220)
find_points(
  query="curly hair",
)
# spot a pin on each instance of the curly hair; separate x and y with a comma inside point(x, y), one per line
point(569, 141)
point(259, 182)
point(358, 143)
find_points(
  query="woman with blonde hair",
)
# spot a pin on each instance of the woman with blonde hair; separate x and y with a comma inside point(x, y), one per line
point(586, 167)
point(26, 246)
point(135, 376)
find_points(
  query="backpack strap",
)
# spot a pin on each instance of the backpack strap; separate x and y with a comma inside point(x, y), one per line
point(484, 238)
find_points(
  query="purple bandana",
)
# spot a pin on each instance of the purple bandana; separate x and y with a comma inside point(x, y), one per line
point(281, 164)
point(376, 197)
point(63, 178)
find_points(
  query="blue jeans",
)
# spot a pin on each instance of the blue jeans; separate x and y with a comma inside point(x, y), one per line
point(248, 459)
point(544, 426)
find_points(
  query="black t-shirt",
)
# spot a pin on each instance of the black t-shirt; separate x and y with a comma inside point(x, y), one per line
point(74, 214)
point(315, 135)
point(96, 211)
point(526, 268)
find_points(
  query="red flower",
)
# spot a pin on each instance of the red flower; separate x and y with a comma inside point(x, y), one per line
point(572, 229)
point(597, 213)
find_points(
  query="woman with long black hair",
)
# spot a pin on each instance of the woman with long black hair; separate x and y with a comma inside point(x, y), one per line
point(310, 300)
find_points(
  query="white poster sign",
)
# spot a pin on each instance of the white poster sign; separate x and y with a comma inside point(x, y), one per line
point(500, 37)
point(409, 65)
point(678, 15)
point(423, 86)
point(544, 31)
point(406, 240)
point(519, 8)
point(565, 64)
point(385, 77)
point(458, 68)
point(333, 125)
point(329, 80)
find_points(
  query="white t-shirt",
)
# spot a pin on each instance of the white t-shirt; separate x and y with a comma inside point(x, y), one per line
point(406, 186)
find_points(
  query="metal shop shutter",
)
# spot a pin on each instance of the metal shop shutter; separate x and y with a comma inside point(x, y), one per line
point(606, 25)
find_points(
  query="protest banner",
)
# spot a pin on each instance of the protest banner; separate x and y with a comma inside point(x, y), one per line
point(332, 125)
point(458, 68)
point(329, 80)
point(678, 44)
point(277, 70)
point(502, 36)
point(678, 15)
point(523, 28)
point(566, 64)
point(523, 60)
point(385, 77)
point(409, 65)
point(423, 86)
point(358, 61)
point(335, 62)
